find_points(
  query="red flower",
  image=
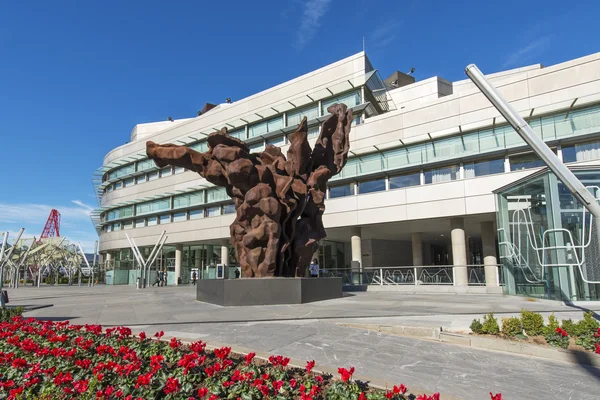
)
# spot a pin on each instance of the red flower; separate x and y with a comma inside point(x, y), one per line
point(389, 395)
point(497, 396)
point(562, 332)
point(279, 360)
point(19, 363)
point(319, 379)
point(346, 374)
point(171, 386)
point(81, 386)
point(159, 334)
point(174, 343)
point(400, 389)
point(198, 347)
point(143, 380)
point(597, 348)
point(249, 357)
point(309, 366)
point(362, 396)
point(202, 392)
point(222, 353)
point(142, 335)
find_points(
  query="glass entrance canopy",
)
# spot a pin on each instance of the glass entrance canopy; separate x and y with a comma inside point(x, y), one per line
point(546, 241)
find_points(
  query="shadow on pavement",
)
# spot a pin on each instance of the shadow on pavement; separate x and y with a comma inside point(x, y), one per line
point(584, 359)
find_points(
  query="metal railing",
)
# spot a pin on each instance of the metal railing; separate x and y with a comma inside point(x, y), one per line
point(410, 275)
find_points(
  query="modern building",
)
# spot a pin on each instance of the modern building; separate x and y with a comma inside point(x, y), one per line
point(438, 189)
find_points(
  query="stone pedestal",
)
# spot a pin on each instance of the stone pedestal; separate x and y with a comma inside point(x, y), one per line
point(267, 291)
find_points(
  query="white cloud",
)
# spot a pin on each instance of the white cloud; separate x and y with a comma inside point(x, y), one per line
point(314, 10)
point(38, 213)
point(83, 205)
point(383, 35)
point(526, 53)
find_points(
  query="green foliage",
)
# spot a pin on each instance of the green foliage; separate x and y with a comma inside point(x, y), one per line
point(512, 326)
point(588, 325)
point(569, 326)
point(557, 340)
point(8, 313)
point(533, 323)
point(476, 326)
point(490, 325)
point(552, 325)
point(587, 341)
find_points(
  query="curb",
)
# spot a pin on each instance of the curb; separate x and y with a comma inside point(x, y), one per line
point(488, 343)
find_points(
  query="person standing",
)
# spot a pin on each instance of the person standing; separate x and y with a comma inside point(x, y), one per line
point(194, 277)
point(313, 269)
point(165, 278)
point(161, 278)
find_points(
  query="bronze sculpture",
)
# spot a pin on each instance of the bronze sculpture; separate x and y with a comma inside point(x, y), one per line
point(279, 202)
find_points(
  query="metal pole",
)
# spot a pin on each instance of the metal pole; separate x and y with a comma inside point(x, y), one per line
point(158, 249)
point(539, 147)
point(3, 262)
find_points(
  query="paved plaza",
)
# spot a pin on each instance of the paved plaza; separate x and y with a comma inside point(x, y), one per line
point(312, 331)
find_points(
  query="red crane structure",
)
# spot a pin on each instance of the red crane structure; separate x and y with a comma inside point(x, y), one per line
point(52, 227)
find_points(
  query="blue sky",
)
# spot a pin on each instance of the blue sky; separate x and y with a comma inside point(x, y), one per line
point(76, 76)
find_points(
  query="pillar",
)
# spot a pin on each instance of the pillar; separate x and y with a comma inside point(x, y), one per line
point(197, 259)
point(488, 244)
point(459, 251)
point(178, 257)
point(355, 244)
point(225, 254)
point(417, 253)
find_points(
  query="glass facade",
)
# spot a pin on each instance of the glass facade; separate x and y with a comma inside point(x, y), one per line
point(545, 238)
point(484, 167)
point(401, 181)
point(376, 185)
point(341, 191)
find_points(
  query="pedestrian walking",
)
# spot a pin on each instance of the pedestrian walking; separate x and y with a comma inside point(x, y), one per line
point(194, 277)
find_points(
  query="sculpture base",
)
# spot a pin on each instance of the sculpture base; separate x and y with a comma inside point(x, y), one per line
point(267, 291)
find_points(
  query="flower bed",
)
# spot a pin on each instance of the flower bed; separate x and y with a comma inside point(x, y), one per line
point(48, 360)
point(583, 335)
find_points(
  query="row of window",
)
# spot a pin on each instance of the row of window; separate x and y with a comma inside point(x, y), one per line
point(201, 147)
point(553, 127)
point(212, 195)
point(162, 219)
point(572, 153)
point(288, 119)
point(150, 176)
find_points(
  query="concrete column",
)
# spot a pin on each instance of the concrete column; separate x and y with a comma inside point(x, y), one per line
point(417, 249)
point(459, 251)
point(178, 257)
point(488, 244)
point(417, 253)
point(225, 254)
point(355, 243)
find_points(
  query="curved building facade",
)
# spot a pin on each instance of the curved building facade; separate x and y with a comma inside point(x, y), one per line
point(417, 193)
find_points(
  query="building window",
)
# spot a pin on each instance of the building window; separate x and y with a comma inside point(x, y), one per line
point(238, 133)
point(128, 225)
point(153, 206)
point(228, 209)
point(341, 191)
point(196, 214)
point(140, 223)
point(108, 228)
point(349, 99)
point(313, 132)
point(402, 181)
point(277, 141)
point(213, 211)
point(376, 185)
point(178, 170)
point(525, 161)
point(119, 213)
point(117, 227)
point(581, 152)
point(144, 165)
point(216, 194)
point(200, 146)
point(295, 117)
point(164, 219)
point(140, 179)
point(128, 182)
point(152, 176)
point(179, 217)
point(168, 171)
point(109, 188)
point(266, 126)
point(444, 174)
point(152, 221)
point(257, 147)
point(482, 168)
point(118, 185)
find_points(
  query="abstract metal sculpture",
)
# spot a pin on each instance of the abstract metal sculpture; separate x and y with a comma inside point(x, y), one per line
point(279, 202)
